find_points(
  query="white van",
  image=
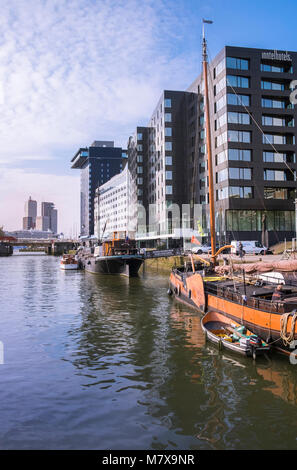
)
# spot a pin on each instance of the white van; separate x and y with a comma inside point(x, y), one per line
point(249, 247)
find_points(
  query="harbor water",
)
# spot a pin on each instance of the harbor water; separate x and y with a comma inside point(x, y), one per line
point(106, 362)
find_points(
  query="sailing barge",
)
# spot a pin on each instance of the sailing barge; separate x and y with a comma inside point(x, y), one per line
point(226, 290)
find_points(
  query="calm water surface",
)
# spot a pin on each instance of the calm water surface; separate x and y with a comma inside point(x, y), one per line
point(98, 362)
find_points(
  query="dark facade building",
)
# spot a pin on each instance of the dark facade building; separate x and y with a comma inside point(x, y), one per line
point(98, 163)
point(253, 144)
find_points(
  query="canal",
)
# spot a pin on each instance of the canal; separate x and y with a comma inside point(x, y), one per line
point(99, 362)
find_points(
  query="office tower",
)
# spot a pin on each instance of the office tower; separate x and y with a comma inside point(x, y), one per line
point(97, 163)
point(30, 214)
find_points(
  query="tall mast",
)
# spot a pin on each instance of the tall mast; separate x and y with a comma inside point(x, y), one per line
point(208, 147)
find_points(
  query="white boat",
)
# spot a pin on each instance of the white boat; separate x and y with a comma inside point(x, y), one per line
point(69, 262)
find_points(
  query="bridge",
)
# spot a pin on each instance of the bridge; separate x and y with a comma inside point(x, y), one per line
point(51, 246)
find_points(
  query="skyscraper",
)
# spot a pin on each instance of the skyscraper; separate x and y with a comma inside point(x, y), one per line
point(29, 220)
point(48, 212)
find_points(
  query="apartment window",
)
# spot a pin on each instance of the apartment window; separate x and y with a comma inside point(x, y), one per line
point(222, 193)
point(167, 103)
point(168, 160)
point(139, 169)
point(168, 131)
point(139, 136)
point(219, 68)
point(238, 100)
point(279, 193)
point(278, 157)
point(242, 192)
point(240, 155)
point(222, 175)
point(220, 104)
point(139, 147)
point(168, 175)
point(238, 81)
point(221, 157)
point(275, 103)
point(220, 121)
point(168, 146)
point(221, 139)
point(278, 139)
point(237, 63)
point(239, 136)
point(240, 173)
point(220, 85)
point(269, 85)
point(273, 121)
point(139, 158)
point(271, 68)
point(274, 175)
point(167, 117)
point(238, 118)
point(168, 189)
point(139, 180)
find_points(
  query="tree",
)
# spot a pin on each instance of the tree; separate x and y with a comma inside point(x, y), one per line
point(2, 234)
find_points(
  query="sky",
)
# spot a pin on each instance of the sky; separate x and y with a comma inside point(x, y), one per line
point(75, 71)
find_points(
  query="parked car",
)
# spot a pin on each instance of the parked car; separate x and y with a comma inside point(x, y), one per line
point(249, 247)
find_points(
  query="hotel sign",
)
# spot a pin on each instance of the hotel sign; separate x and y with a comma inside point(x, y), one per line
point(276, 56)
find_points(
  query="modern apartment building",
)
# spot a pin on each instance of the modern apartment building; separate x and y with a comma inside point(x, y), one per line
point(111, 206)
point(158, 167)
point(97, 163)
point(253, 139)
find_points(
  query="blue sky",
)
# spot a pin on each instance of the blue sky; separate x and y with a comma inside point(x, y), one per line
point(74, 71)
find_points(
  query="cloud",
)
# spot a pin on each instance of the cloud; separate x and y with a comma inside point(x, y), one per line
point(74, 71)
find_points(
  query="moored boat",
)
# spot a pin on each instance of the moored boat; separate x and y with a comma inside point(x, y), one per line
point(69, 262)
point(232, 336)
point(116, 256)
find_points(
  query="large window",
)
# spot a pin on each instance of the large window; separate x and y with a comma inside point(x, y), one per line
point(238, 81)
point(240, 173)
point(240, 155)
point(276, 157)
point(167, 103)
point(168, 131)
point(239, 136)
point(237, 63)
point(222, 175)
point(168, 146)
point(269, 85)
point(221, 139)
point(271, 68)
point(279, 193)
point(167, 117)
point(278, 139)
point(248, 220)
point(219, 68)
point(220, 121)
point(274, 175)
point(243, 192)
point(238, 118)
point(273, 121)
point(276, 103)
point(220, 104)
point(238, 100)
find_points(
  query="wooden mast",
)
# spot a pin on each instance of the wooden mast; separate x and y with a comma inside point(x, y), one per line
point(208, 149)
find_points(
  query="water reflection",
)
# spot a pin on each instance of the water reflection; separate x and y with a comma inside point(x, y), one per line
point(110, 362)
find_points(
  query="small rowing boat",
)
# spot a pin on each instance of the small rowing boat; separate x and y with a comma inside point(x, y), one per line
point(230, 335)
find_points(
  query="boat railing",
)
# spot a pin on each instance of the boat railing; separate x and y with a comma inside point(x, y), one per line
point(226, 292)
